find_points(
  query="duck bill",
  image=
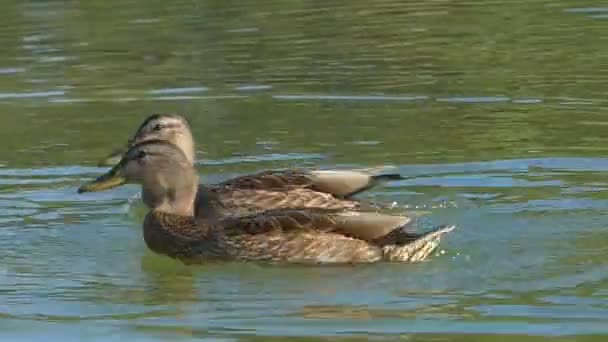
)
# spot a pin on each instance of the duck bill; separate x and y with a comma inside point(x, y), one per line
point(113, 158)
point(109, 180)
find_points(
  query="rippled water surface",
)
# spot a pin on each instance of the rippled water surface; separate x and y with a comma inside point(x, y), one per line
point(495, 111)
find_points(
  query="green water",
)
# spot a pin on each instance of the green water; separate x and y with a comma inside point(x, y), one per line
point(496, 112)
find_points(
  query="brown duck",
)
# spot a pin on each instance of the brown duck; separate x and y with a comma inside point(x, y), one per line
point(169, 187)
point(321, 189)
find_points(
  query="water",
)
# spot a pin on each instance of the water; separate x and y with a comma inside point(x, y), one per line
point(495, 111)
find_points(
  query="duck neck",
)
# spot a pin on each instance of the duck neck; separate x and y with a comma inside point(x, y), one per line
point(173, 194)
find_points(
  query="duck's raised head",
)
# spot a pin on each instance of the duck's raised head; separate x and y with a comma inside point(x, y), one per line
point(168, 179)
point(171, 128)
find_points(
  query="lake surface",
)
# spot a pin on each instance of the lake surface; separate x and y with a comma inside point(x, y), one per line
point(497, 113)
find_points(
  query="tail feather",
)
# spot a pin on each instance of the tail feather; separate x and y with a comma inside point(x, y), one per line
point(377, 170)
point(373, 181)
point(435, 233)
point(387, 177)
point(349, 182)
point(417, 248)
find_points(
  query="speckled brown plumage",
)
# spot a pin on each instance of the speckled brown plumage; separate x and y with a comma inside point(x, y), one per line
point(280, 189)
point(237, 201)
point(295, 236)
point(304, 235)
point(268, 189)
point(271, 180)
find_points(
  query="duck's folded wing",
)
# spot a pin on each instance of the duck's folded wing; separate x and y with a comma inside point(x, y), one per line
point(346, 183)
point(251, 199)
point(370, 226)
point(341, 183)
point(360, 225)
point(269, 180)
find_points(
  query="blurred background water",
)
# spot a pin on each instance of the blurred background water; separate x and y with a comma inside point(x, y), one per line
point(496, 112)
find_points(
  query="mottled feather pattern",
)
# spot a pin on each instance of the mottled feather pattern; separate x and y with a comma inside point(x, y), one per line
point(270, 180)
point(277, 236)
point(259, 200)
point(171, 234)
point(304, 247)
point(270, 190)
point(282, 220)
point(418, 249)
point(278, 216)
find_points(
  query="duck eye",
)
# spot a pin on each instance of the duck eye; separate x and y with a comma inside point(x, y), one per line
point(141, 154)
point(157, 127)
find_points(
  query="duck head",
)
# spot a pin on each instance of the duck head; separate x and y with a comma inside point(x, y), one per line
point(171, 128)
point(168, 178)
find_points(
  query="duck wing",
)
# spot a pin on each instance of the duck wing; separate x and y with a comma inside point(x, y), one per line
point(367, 226)
point(340, 183)
point(255, 200)
point(347, 183)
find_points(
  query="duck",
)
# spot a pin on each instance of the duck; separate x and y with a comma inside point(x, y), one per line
point(265, 190)
point(169, 186)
